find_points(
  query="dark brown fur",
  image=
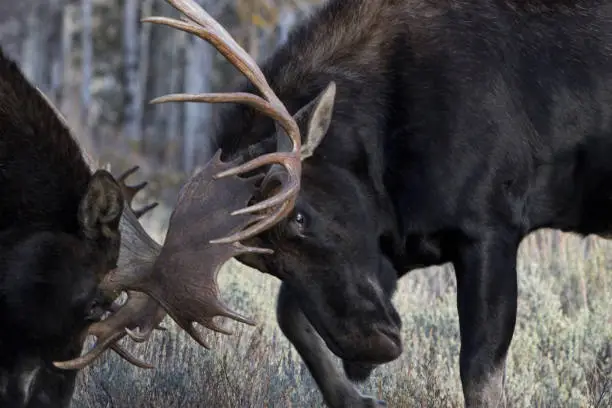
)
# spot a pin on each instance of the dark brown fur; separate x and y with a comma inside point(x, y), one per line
point(458, 128)
point(58, 236)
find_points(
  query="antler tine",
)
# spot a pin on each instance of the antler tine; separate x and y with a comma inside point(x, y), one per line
point(252, 100)
point(130, 191)
point(139, 312)
point(198, 22)
point(211, 31)
point(100, 347)
point(254, 229)
point(178, 281)
point(208, 29)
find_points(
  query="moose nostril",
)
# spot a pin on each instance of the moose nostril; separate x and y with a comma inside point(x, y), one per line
point(391, 334)
point(94, 312)
point(385, 345)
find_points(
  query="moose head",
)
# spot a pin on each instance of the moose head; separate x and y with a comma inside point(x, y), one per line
point(220, 213)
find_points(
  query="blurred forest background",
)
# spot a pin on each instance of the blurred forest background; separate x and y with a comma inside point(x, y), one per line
point(101, 66)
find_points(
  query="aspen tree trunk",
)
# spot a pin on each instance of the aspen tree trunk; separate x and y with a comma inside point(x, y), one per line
point(285, 22)
point(54, 50)
point(131, 50)
point(175, 123)
point(31, 59)
point(143, 71)
point(197, 115)
point(86, 65)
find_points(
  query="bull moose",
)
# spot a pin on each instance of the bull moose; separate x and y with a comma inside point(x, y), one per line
point(381, 137)
point(60, 233)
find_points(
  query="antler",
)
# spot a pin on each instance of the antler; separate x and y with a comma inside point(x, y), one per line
point(212, 203)
point(201, 24)
point(139, 311)
point(129, 192)
point(183, 278)
point(140, 314)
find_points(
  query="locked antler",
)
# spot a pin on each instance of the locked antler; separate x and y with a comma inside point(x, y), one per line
point(140, 314)
point(212, 203)
point(183, 278)
point(140, 311)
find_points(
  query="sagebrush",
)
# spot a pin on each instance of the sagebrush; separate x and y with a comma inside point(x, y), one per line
point(561, 353)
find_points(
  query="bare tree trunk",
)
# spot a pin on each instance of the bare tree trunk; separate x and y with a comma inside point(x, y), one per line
point(197, 115)
point(107, 85)
point(54, 47)
point(176, 111)
point(131, 48)
point(167, 48)
point(86, 63)
point(199, 68)
point(69, 71)
point(143, 70)
point(285, 22)
point(31, 57)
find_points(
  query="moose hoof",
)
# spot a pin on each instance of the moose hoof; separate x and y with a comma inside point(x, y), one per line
point(352, 398)
point(357, 372)
point(369, 402)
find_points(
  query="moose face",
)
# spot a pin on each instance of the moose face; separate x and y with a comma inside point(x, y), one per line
point(49, 292)
point(330, 251)
point(300, 230)
point(334, 250)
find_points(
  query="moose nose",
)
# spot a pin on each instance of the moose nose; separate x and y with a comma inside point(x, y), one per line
point(96, 309)
point(383, 345)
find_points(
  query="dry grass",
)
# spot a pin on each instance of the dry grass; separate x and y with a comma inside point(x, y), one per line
point(561, 354)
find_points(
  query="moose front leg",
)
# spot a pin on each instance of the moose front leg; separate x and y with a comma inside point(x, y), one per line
point(487, 301)
point(337, 390)
point(52, 387)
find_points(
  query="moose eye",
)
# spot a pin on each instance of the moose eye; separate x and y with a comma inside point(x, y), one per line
point(300, 219)
point(299, 222)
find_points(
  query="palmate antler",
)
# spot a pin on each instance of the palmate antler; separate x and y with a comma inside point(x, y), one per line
point(182, 278)
point(129, 192)
point(140, 314)
point(140, 311)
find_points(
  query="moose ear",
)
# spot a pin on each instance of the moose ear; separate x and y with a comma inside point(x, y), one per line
point(314, 120)
point(101, 207)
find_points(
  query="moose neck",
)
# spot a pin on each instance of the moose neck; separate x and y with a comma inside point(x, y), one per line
point(34, 153)
point(355, 59)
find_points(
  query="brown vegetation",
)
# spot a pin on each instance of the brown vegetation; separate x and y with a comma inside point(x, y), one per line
point(561, 355)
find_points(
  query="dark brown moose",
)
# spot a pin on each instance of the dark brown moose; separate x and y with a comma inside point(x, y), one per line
point(61, 222)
